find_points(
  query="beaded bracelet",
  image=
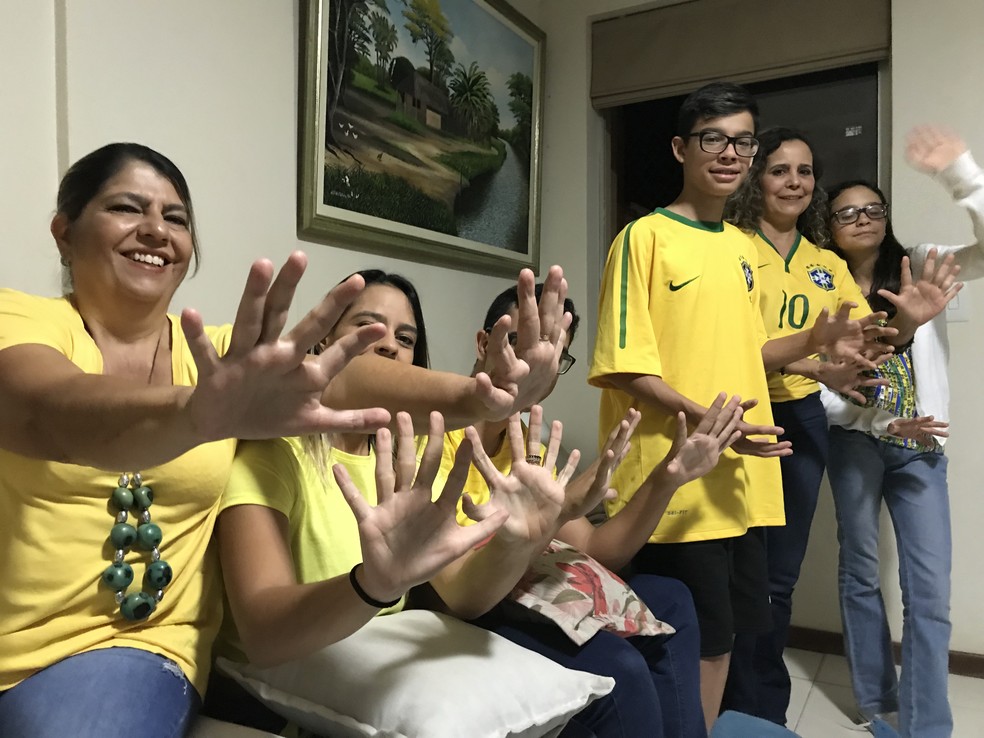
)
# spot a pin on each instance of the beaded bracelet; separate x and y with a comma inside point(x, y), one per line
point(365, 597)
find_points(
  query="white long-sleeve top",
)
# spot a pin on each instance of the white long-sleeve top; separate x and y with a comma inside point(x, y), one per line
point(964, 180)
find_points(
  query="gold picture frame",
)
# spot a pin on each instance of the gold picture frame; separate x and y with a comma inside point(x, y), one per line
point(407, 150)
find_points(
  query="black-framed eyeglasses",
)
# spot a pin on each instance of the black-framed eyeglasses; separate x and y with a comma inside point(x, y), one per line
point(714, 142)
point(875, 211)
point(566, 360)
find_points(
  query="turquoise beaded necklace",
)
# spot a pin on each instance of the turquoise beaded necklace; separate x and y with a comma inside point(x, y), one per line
point(132, 494)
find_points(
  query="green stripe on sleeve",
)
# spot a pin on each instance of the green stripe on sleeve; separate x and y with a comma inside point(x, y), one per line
point(624, 290)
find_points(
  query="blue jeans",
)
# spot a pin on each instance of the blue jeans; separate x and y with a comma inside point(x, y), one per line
point(657, 678)
point(913, 485)
point(758, 681)
point(738, 725)
point(109, 693)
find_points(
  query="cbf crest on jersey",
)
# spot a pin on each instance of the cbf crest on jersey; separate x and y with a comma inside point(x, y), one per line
point(749, 274)
point(821, 276)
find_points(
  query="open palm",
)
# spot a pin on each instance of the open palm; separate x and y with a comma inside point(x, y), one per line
point(692, 456)
point(922, 300)
point(407, 538)
point(530, 494)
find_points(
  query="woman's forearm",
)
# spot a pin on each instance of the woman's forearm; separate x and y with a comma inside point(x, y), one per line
point(478, 581)
point(291, 621)
point(54, 411)
point(374, 381)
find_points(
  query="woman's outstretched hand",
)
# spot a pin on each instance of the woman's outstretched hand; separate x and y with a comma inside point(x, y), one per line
point(522, 356)
point(530, 494)
point(858, 341)
point(694, 455)
point(266, 385)
point(592, 487)
point(925, 429)
point(406, 538)
point(922, 300)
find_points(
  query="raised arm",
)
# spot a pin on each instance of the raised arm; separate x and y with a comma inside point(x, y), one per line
point(516, 377)
point(262, 387)
point(943, 154)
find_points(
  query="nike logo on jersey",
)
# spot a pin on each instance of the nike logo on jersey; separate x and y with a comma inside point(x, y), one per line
point(675, 287)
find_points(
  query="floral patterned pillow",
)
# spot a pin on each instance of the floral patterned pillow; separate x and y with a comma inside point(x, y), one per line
point(581, 596)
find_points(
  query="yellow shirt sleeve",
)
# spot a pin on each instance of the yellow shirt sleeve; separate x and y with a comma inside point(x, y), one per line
point(627, 329)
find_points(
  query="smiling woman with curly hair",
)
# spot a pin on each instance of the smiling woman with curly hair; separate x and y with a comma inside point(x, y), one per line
point(781, 207)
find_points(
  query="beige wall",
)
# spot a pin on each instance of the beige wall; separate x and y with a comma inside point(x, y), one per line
point(212, 84)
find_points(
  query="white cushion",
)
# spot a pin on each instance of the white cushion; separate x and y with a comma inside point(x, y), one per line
point(418, 673)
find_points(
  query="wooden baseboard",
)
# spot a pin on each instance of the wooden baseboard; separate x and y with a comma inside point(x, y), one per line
point(825, 641)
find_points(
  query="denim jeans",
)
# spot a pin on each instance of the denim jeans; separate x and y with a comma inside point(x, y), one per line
point(657, 678)
point(758, 681)
point(863, 472)
point(108, 693)
point(739, 725)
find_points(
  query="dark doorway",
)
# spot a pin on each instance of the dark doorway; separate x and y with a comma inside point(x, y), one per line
point(837, 108)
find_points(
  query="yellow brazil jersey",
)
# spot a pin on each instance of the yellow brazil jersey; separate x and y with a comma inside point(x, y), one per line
point(679, 300)
point(794, 291)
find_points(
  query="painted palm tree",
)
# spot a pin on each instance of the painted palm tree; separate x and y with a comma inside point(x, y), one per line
point(384, 40)
point(471, 98)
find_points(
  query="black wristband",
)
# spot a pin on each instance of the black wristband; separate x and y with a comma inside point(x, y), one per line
point(365, 597)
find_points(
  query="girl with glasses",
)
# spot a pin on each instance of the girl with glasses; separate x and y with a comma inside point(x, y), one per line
point(890, 448)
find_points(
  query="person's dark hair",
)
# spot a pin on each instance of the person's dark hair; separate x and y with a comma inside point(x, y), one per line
point(86, 177)
point(715, 100)
point(421, 356)
point(745, 207)
point(887, 273)
point(509, 298)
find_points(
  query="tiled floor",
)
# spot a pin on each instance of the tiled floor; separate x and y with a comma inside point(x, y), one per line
point(822, 705)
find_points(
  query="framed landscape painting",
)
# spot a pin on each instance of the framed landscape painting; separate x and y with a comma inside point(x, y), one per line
point(420, 131)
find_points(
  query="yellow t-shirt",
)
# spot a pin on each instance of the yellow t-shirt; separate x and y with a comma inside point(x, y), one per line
point(56, 523)
point(794, 291)
point(324, 534)
point(680, 301)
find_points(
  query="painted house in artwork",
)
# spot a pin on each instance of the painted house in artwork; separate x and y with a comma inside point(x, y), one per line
point(419, 98)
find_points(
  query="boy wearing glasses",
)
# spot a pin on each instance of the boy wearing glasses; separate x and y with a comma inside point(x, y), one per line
point(679, 322)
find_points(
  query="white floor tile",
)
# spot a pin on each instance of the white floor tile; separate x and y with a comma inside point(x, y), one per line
point(968, 692)
point(828, 713)
point(967, 721)
point(822, 705)
point(797, 699)
point(802, 664)
point(833, 670)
